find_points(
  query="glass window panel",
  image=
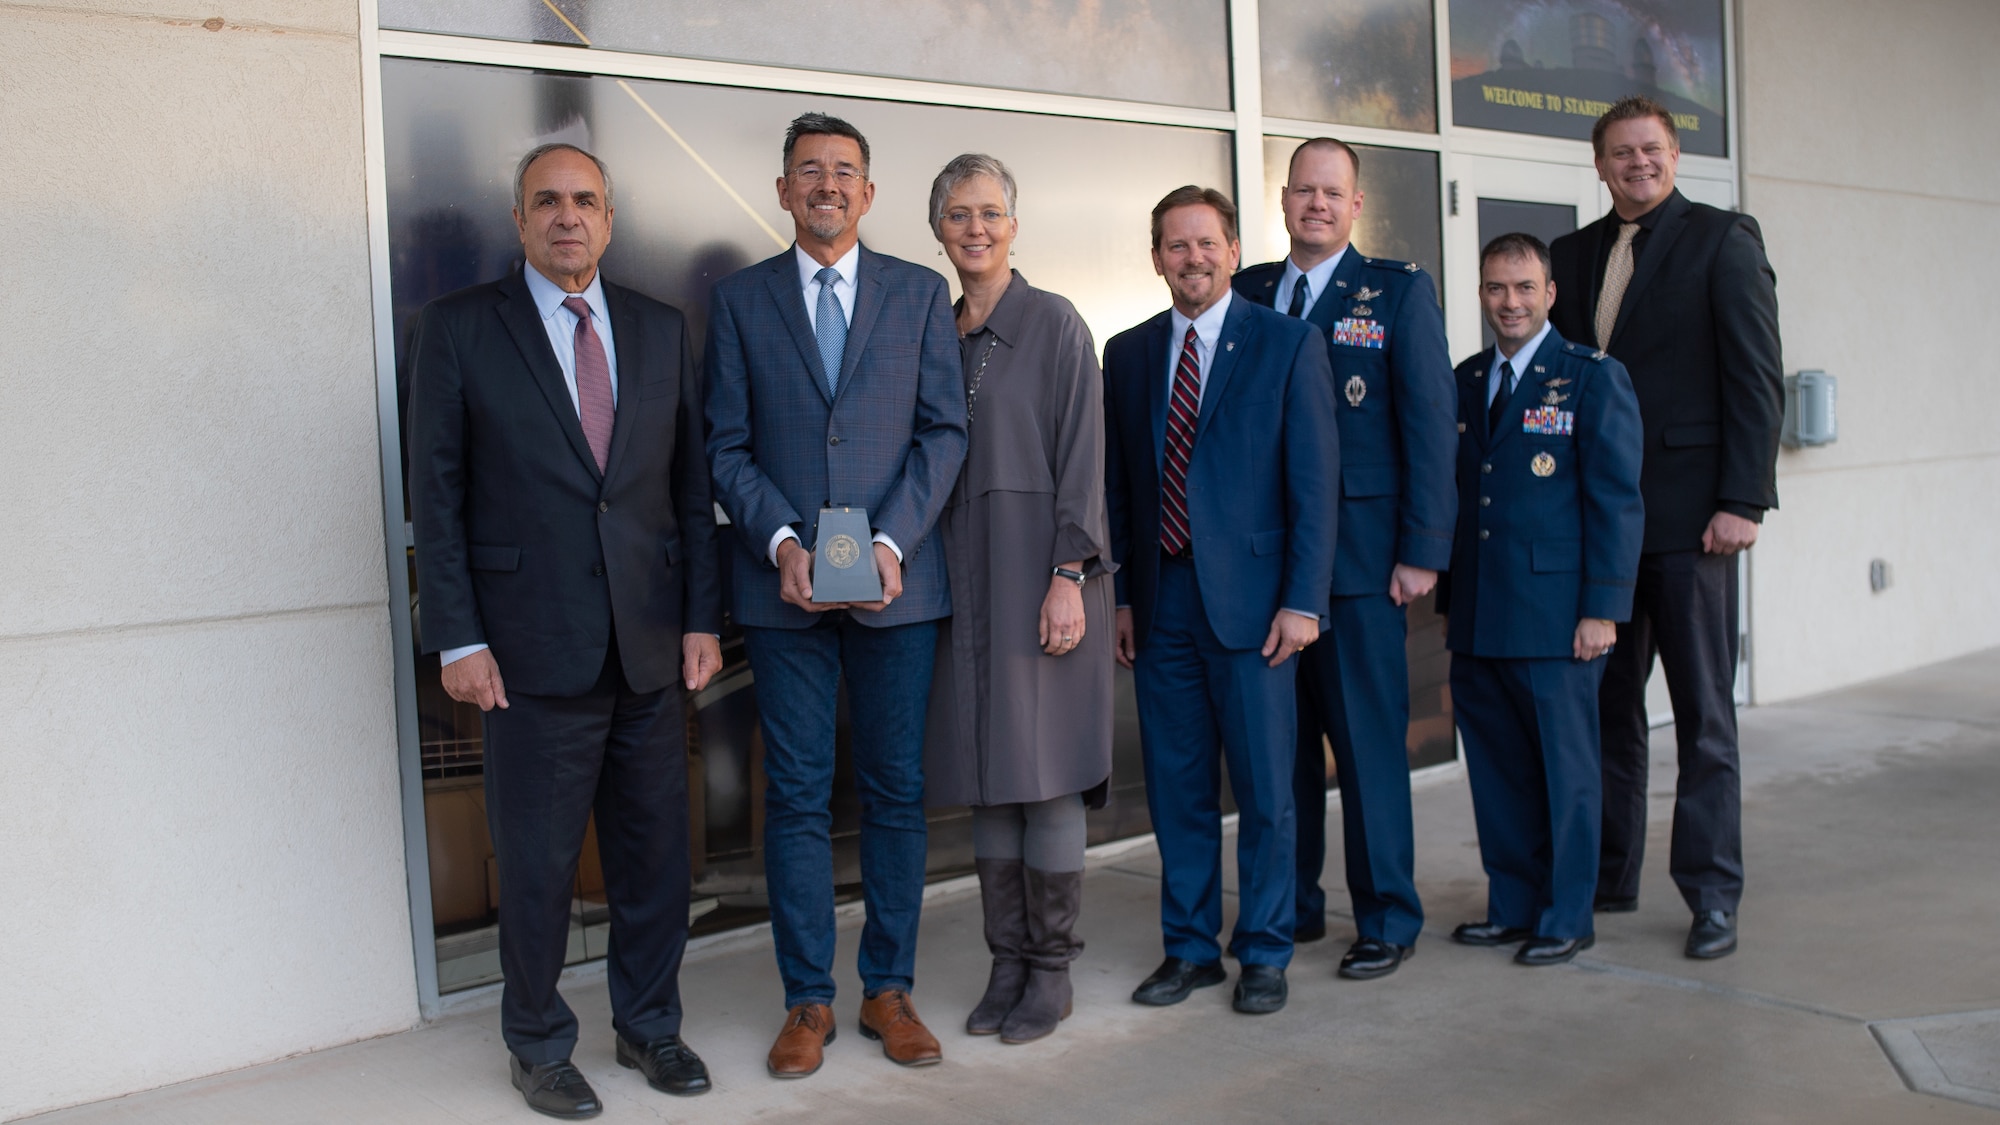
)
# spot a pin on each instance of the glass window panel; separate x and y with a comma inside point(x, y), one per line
point(1350, 62)
point(1172, 52)
point(452, 135)
point(1553, 66)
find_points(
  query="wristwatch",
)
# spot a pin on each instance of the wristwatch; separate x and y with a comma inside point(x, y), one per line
point(1075, 576)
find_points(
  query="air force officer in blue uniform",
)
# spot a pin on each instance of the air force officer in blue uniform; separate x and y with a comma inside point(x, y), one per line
point(1394, 398)
point(1220, 461)
point(1543, 566)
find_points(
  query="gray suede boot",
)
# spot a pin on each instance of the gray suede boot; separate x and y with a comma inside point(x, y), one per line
point(1004, 905)
point(1054, 899)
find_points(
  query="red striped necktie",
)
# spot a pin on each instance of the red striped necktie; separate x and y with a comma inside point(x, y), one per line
point(594, 407)
point(1182, 409)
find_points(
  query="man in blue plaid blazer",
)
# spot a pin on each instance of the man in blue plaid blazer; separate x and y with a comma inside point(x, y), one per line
point(834, 381)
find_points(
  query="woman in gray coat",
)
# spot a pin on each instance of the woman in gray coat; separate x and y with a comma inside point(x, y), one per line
point(1020, 711)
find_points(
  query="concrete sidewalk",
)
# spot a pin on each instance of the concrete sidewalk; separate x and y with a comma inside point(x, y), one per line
point(1870, 923)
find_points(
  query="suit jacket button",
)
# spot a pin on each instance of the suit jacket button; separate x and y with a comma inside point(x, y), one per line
point(1485, 534)
point(833, 441)
point(1486, 501)
point(1486, 467)
point(604, 505)
point(598, 570)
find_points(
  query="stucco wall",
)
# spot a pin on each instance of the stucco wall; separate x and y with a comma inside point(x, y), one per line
point(202, 855)
point(1866, 154)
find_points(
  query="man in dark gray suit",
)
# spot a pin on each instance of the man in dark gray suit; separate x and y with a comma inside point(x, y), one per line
point(834, 381)
point(565, 536)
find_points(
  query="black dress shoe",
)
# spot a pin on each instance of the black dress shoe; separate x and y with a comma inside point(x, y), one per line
point(669, 1066)
point(555, 1088)
point(1309, 931)
point(1260, 990)
point(1611, 904)
point(1552, 951)
point(1174, 979)
point(1489, 933)
point(1369, 958)
point(1713, 935)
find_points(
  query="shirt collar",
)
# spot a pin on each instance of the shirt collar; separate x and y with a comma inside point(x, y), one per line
point(848, 265)
point(1319, 277)
point(1521, 358)
point(549, 296)
point(1207, 326)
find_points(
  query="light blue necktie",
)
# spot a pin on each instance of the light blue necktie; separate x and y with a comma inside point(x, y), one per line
point(831, 328)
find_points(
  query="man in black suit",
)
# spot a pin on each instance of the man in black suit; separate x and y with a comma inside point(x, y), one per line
point(1683, 295)
point(565, 534)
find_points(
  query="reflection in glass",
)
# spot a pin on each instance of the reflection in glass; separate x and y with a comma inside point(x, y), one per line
point(1399, 205)
point(695, 169)
point(1350, 62)
point(1172, 52)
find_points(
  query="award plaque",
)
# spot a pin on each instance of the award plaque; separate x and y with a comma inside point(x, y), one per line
point(844, 560)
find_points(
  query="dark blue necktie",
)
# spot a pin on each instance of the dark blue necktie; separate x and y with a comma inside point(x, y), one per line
point(1498, 407)
point(831, 329)
point(1299, 292)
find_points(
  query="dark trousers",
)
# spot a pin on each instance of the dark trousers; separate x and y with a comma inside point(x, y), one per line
point(1530, 731)
point(549, 763)
point(1354, 685)
point(1199, 701)
point(1685, 610)
point(888, 673)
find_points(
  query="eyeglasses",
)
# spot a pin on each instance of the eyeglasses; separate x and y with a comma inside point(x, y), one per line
point(813, 174)
point(959, 218)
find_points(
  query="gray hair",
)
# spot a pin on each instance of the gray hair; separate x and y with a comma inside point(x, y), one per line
point(961, 169)
point(539, 151)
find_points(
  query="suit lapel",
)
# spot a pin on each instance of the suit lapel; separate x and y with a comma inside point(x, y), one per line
point(1672, 220)
point(790, 297)
point(1341, 288)
point(631, 362)
point(1229, 343)
point(1474, 394)
point(868, 294)
point(524, 322)
point(1527, 387)
point(1158, 379)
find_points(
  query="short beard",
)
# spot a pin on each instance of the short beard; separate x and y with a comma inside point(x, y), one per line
point(827, 225)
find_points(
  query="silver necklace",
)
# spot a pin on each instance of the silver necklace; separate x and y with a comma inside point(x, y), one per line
point(978, 374)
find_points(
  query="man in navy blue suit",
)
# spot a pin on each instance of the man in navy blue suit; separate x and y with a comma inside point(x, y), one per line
point(1542, 568)
point(1220, 463)
point(834, 381)
point(1385, 336)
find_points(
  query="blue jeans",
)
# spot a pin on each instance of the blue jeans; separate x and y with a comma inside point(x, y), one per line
point(888, 672)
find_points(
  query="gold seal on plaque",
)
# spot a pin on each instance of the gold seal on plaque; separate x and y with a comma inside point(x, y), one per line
point(1357, 390)
point(842, 551)
point(1543, 465)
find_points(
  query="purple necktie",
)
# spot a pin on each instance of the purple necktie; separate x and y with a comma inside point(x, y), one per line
point(1183, 408)
point(593, 384)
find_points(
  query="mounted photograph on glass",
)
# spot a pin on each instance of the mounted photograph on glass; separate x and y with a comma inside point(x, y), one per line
point(1350, 62)
point(1551, 67)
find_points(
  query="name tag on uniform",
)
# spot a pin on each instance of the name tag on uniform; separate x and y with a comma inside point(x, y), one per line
point(1548, 420)
point(1358, 333)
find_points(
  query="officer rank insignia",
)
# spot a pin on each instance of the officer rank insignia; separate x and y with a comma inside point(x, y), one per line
point(1548, 420)
point(1357, 389)
point(1543, 465)
point(1358, 333)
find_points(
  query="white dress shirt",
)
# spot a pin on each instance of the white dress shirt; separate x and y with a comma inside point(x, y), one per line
point(1317, 278)
point(848, 267)
point(1207, 327)
point(560, 324)
point(1518, 360)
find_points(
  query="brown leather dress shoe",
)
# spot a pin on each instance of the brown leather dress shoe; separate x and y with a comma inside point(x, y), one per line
point(801, 1046)
point(891, 1017)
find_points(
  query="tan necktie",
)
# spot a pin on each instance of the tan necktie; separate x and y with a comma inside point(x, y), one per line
point(1617, 275)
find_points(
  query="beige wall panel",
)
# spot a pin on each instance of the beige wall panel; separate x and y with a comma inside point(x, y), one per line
point(1895, 96)
point(331, 16)
point(1817, 626)
point(210, 871)
point(187, 398)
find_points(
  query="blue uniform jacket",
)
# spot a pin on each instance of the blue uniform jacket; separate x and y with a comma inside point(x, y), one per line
point(1393, 395)
point(1551, 523)
point(1260, 499)
point(780, 448)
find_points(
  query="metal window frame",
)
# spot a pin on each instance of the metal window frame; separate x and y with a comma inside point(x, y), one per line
point(1245, 121)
